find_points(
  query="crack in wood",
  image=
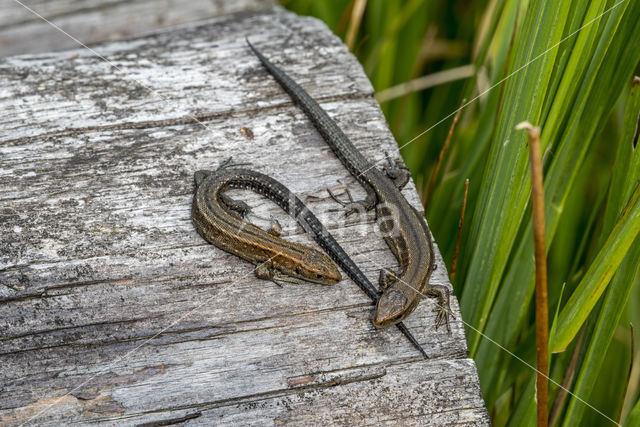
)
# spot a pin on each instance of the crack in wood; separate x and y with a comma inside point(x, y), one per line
point(190, 119)
point(171, 421)
point(221, 326)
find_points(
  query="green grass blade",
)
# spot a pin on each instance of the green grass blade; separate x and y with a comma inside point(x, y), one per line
point(601, 88)
point(598, 276)
point(524, 414)
point(634, 416)
point(505, 188)
point(608, 320)
point(573, 72)
point(628, 171)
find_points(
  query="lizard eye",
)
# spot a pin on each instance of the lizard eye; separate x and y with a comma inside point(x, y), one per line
point(318, 276)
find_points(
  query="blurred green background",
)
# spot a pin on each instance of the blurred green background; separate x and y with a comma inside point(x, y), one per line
point(567, 67)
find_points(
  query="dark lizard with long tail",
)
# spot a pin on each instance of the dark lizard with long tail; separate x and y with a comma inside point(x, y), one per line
point(404, 229)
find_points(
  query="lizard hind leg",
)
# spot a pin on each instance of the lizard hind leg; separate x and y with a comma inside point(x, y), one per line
point(351, 206)
point(238, 207)
point(397, 171)
point(387, 278)
point(229, 163)
point(443, 309)
point(201, 175)
point(244, 211)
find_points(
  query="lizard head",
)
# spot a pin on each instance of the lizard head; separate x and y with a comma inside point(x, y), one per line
point(317, 268)
point(391, 309)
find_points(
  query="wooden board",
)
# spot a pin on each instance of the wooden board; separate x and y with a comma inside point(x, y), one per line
point(91, 21)
point(114, 310)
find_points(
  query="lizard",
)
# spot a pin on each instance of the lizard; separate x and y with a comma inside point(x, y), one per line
point(275, 258)
point(405, 230)
point(217, 218)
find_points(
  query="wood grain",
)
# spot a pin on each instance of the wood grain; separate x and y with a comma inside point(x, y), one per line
point(91, 21)
point(114, 310)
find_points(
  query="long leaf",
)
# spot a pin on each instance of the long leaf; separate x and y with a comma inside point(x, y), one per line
point(599, 91)
point(505, 189)
point(599, 274)
point(634, 416)
point(628, 169)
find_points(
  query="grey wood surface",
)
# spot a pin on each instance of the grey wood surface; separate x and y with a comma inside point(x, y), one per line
point(91, 21)
point(113, 310)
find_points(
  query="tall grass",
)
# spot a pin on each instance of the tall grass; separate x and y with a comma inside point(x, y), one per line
point(567, 67)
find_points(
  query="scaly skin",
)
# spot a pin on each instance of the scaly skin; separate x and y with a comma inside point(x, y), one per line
point(405, 230)
point(275, 257)
point(217, 221)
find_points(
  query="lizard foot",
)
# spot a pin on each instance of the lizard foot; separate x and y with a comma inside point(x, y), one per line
point(275, 229)
point(239, 207)
point(229, 163)
point(267, 272)
point(443, 309)
point(397, 171)
point(387, 278)
point(351, 206)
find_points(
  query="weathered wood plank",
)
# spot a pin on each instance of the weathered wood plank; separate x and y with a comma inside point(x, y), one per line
point(162, 79)
point(91, 21)
point(407, 392)
point(113, 309)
